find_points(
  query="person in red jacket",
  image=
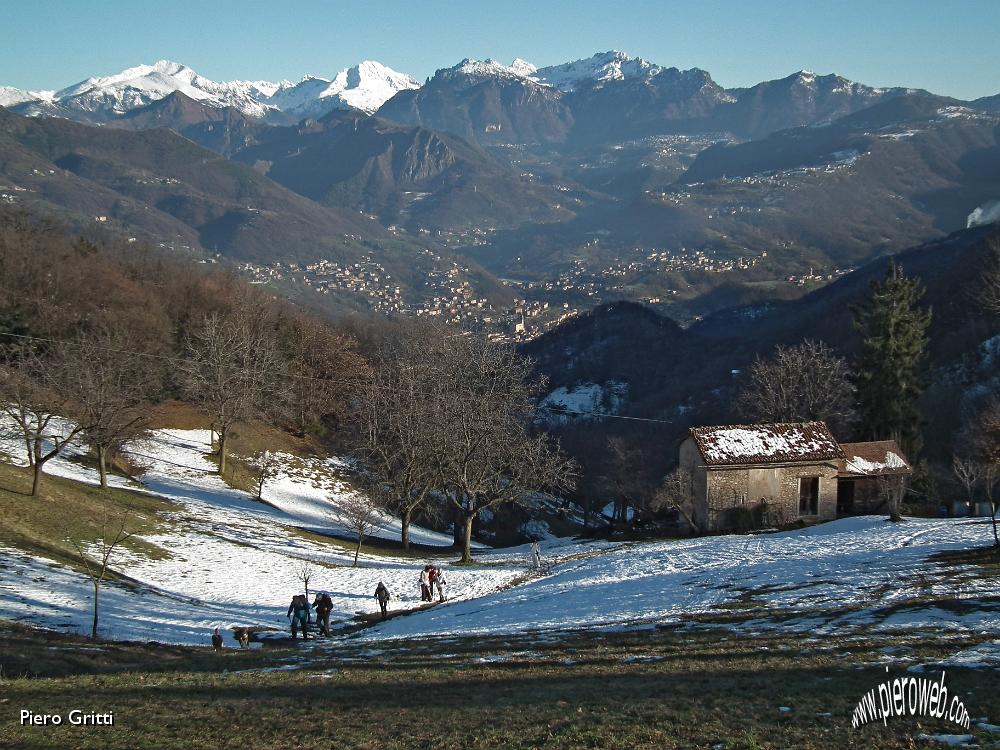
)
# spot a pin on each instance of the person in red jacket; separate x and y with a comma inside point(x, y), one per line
point(432, 576)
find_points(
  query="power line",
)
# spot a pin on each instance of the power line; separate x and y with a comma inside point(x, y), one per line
point(557, 410)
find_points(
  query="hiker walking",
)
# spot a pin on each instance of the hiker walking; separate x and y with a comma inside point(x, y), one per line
point(298, 615)
point(382, 594)
point(536, 556)
point(425, 584)
point(323, 604)
point(432, 575)
point(440, 582)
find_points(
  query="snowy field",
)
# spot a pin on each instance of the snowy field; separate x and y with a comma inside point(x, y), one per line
point(854, 575)
point(231, 560)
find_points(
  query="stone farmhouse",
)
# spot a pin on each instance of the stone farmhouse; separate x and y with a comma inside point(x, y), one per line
point(746, 476)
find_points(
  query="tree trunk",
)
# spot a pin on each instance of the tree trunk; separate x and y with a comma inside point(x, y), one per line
point(223, 438)
point(467, 538)
point(404, 527)
point(97, 594)
point(357, 551)
point(996, 539)
point(102, 465)
point(457, 532)
point(36, 480)
point(30, 449)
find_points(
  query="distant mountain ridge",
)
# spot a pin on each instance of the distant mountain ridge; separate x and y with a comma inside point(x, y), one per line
point(604, 98)
point(100, 99)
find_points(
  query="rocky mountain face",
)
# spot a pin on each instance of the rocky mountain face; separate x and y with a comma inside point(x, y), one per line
point(486, 102)
point(802, 98)
point(166, 188)
point(407, 175)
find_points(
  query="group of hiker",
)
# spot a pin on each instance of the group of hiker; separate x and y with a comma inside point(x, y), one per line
point(299, 610)
point(432, 579)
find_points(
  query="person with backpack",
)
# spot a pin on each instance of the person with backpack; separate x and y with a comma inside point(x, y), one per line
point(323, 605)
point(298, 616)
point(382, 595)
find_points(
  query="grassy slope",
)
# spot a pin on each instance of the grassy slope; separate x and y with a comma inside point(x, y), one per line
point(70, 510)
point(655, 689)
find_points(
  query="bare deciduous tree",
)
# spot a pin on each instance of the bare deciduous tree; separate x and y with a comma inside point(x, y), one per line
point(982, 441)
point(265, 466)
point(32, 397)
point(97, 564)
point(305, 572)
point(676, 492)
point(967, 471)
point(487, 456)
point(891, 489)
point(991, 474)
point(360, 515)
point(628, 479)
point(400, 422)
point(802, 383)
point(328, 368)
point(233, 367)
point(109, 384)
point(450, 414)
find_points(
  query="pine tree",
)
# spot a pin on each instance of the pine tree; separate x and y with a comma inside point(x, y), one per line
point(890, 376)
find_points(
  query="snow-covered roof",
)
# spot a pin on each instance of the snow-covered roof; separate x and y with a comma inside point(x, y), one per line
point(877, 458)
point(766, 443)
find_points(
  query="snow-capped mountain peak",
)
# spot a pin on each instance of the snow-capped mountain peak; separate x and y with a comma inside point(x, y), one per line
point(523, 67)
point(475, 71)
point(603, 66)
point(10, 96)
point(365, 86)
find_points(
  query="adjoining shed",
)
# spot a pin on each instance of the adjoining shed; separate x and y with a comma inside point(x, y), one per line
point(870, 472)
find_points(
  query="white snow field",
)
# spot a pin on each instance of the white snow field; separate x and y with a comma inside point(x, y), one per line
point(231, 560)
point(832, 578)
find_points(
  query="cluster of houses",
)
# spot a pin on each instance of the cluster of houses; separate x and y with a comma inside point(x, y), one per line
point(774, 474)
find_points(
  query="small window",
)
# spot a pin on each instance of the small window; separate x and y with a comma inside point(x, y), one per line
point(808, 496)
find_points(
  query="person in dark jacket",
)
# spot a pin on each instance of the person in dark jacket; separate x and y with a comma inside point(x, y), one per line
point(323, 605)
point(382, 594)
point(298, 614)
point(217, 640)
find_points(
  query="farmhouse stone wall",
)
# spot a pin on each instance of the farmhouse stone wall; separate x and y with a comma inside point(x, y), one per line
point(725, 494)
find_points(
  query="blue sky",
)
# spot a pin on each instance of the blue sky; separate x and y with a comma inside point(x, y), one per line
point(947, 48)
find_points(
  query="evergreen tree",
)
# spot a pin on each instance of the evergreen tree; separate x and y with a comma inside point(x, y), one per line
point(890, 376)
